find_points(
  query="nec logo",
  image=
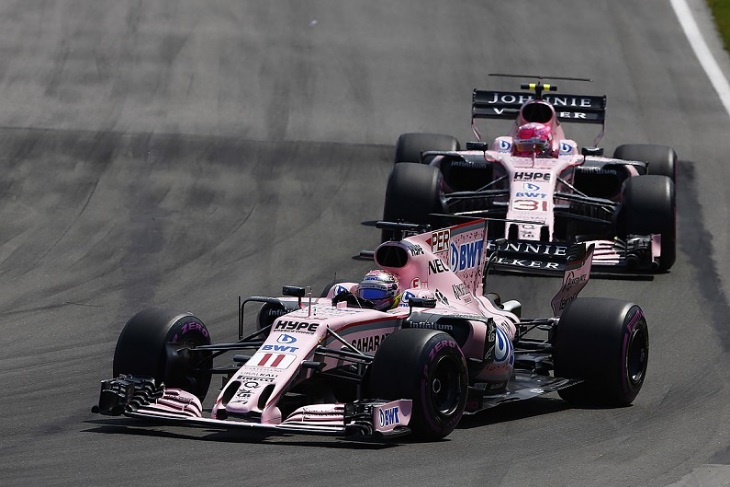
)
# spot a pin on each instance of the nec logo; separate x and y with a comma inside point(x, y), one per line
point(440, 240)
point(436, 267)
point(532, 176)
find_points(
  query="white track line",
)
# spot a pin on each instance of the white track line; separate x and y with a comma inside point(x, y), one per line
point(705, 57)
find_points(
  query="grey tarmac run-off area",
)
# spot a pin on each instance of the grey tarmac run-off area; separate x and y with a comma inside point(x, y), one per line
point(184, 153)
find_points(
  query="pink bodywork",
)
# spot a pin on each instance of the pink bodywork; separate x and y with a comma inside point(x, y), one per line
point(445, 264)
point(533, 182)
point(534, 179)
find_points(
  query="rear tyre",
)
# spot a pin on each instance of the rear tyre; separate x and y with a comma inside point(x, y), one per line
point(428, 367)
point(604, 342)
point(649, 206)
point(413, 192)
point(410, 146)
point(662, 160)
point(155, 344)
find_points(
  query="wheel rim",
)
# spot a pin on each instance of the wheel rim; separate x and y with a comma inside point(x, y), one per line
point(446, 386)
point(191, 372)
point(636, 356)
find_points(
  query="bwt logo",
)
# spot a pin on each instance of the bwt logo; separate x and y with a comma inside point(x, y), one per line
point(529, 194)
point(530, 187)
point(279, 348)
point(466, 256)
point(389, 416)
point(503, 350)
point(504, 146)
point(284, 338)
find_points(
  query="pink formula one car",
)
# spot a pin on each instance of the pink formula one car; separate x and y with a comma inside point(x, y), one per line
point(542, 193)
point(343, 364)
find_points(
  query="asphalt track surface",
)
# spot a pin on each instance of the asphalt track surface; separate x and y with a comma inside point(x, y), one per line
point(183, 153)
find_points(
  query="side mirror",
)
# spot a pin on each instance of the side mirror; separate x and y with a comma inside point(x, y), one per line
point(422, 302)
point(591, 151)
point(295, 291)
point(477, 146)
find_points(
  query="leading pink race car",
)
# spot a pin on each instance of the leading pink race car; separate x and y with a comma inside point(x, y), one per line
point(541, 192)
point(341, 364)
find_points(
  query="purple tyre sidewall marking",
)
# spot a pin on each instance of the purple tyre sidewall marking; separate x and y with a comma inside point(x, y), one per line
point(634, 320)
point(427, 406)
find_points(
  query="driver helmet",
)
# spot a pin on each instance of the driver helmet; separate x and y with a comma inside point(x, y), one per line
point(532, 138)
point(381, 288)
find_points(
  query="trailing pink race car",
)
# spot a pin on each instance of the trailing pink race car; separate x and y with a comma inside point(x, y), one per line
point(540, 190)
point(412, 346)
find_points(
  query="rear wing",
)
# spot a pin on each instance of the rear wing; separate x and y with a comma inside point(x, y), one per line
point(568, 108)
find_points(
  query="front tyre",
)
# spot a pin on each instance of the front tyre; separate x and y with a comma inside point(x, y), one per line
point(604, 342)
point(156, 343)
point(649, 206)
point(410, 146)
point(427, 367)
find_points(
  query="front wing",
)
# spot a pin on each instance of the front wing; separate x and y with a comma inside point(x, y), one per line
point(141, 398)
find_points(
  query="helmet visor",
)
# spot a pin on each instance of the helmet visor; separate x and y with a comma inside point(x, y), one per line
point(374, 294)
point(532, 145)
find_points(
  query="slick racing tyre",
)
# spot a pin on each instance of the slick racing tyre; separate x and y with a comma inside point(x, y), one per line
point(662, 160)
point(410, 146)
point(156, 343)
point(428, 367)
point(604, 342)
point(649, 206)
point(413, 192)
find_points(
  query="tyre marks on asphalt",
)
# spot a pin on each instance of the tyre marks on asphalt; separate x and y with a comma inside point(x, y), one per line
point(127, 214)
point(695, 240)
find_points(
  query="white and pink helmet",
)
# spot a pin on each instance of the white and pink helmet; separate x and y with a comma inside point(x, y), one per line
point(381, 288)
point(532, 138)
